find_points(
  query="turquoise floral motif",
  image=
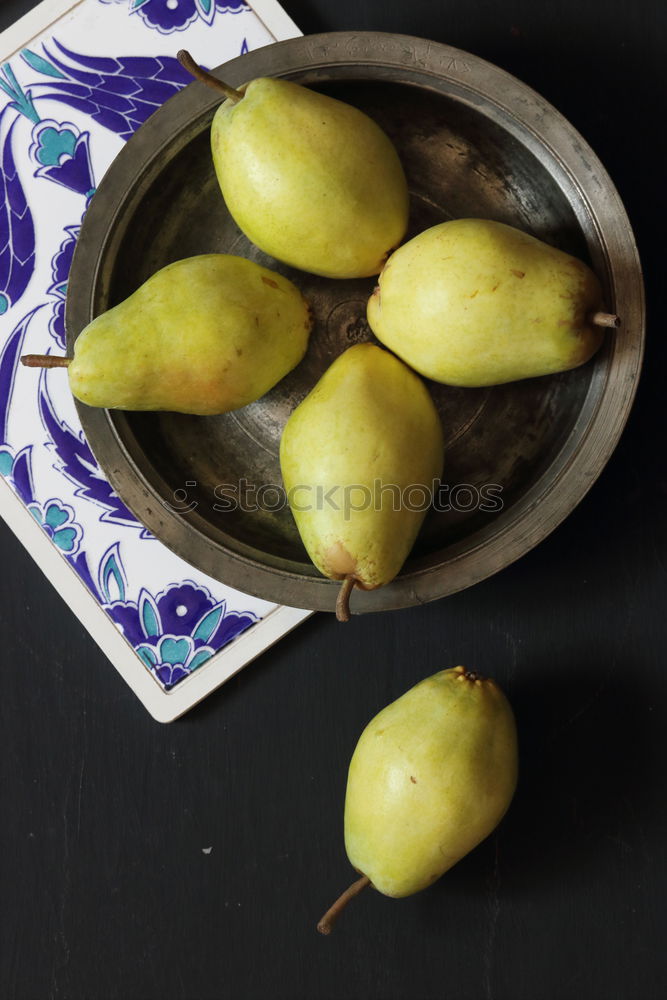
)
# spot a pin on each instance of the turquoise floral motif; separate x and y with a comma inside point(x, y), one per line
point(173, 658)
point(61, 153)
point(57, 520)
point(42, 65)
point(60, 149)
point(54, 516)
point(21, 100)
point(16, 468)
point(52, 142)
point(170, 656)
point(174, 632)
point(6, 462)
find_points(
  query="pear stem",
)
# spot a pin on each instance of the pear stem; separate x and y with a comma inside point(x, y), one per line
point(605, 319)
point(45, 361)
point(194, 69)
point(343, 599)
point(325, 926)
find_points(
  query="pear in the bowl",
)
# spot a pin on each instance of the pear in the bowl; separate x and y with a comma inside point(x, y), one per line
point(473, 302)
point(310, 180)
point(203, 335)
point(360, 458)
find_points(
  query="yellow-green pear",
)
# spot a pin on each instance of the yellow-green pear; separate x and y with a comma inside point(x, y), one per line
point(311, 180)
point(359, 458)
point(473, 302)
point(431, 776)
point(203, 335)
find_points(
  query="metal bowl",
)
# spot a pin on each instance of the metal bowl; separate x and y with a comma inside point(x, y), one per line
point(474, 142)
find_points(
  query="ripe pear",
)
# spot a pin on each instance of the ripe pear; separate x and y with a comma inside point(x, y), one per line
point(431, 776)
point(203, 335)
point(473, 302)
point(359, 458)
point(311, 180)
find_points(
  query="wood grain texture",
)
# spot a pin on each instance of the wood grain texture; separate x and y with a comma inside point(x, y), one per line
point(107, 890)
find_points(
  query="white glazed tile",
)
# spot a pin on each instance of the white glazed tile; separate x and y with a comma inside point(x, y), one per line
point(64, 115)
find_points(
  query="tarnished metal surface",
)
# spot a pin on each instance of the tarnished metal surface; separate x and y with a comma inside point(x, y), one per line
point(474, 142)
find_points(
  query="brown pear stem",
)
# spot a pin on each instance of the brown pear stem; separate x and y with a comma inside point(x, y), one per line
point(343, 599)
point(45, 361)
point(605, 319)
point(194, 69)
point(325, 926)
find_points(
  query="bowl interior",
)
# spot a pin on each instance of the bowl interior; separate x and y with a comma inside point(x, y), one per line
point(459, 163)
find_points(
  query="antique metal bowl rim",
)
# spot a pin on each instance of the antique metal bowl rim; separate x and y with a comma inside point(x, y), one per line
point(399, 58)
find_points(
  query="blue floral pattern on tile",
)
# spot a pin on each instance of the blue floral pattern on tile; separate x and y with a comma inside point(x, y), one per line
point(59, 149)
point(9, 358)
point(6, 462)
point(77, 463)
point(17, 231)
point(62, 155)
point(175, 632)
point(59, 104)
point(60, 266)
point(166, 16)
point(117, 93)
point(20, 98)
point(51, 142)
point(17, 470)
point(57, 520)
point(55, 517)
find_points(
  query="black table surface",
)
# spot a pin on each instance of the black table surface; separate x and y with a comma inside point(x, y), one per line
point(106, 891)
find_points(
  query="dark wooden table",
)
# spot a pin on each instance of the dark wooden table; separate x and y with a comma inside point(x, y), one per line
point(105, 891)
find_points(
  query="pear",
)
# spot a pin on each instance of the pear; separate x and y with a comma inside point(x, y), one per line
point(431, 776)
point(203, 335)
point(359, 458)
point(473, 302)
point(311, 180)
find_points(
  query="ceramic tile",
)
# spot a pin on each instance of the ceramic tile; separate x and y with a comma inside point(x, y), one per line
point(68, 101)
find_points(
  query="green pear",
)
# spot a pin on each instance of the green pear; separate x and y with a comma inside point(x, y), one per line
point(359, 458)
point(473, 303)
point(312, 181)
point(431, 776)
point(204, 335)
